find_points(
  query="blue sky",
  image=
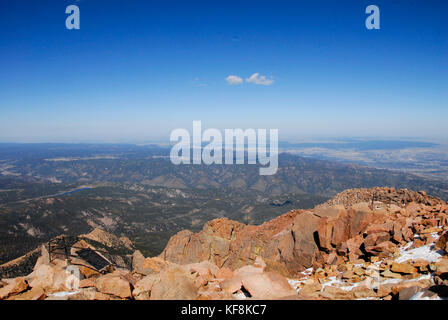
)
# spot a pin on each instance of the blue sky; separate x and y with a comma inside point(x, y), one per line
point(138, 69)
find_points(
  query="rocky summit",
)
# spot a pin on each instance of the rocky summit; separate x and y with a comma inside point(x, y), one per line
point(377, 243)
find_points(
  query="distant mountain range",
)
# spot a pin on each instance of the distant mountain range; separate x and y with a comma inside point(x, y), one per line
point(361, 145)
point(136, 191)
point(90, 164)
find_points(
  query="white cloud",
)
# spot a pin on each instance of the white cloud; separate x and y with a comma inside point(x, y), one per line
point(256, 78)
point(234, 80)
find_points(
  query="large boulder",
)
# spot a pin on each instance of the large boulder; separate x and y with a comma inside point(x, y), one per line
point(203, 269)
point(334, 293)
point(137, 262)
point(224, 273)
point(403, 268)
point(442, 242)
point(153, 265)
point(267, 285)
point(12, 287)
point(50, 277)
point(114, 284)
point(174, 283)
point(286, 243)
point(441, 267)
point(305, 247)
point(35, 293)
point(142, 289)
point(213, 243)
point(231, 285)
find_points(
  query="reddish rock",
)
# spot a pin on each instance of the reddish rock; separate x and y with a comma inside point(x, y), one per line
point(341, 230)
point(214, 295)
point(311, 289)
point(397, 232)
point(174, 283)
point(35, 293)
point(12, 287)
point(442, 242)
point(88, 272)
point(153, 265)
point(442, 267)
point(305, 247)
point(268, 285)
point(396, 288)
point(90, 294)
point(418, 243)
point(186, 247)
point(325, 229)
point(413, 208)
point(224, 273)
point(384, 290)
point(389, 274)
point(362, 291)
point(143, 287)
point(114, 284)
point(428, 239)
point(361, 218)
point(443, 218)
point(87, 283)
point(379, 228)
point(50, 277)
point(431, 222)
point(204, 268)
point(231, 285)
point(329, 211)
point(403, 268)
point(407, 234)
point(383, 249)
point(334, 293)
point(421, 264)
point(249, 270)
point(430, 230)
point(354, 244)
point(331, 258)
point(376, 238)
point(407, 293)
point(286, 243)
point(137, 262)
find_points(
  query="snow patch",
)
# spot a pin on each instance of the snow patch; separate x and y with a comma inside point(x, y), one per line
point(239, 296)
point(426, 252)
point(64, 293)
point(419, 296)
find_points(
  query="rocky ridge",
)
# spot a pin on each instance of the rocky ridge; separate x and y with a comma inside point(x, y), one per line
point(377, 243)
